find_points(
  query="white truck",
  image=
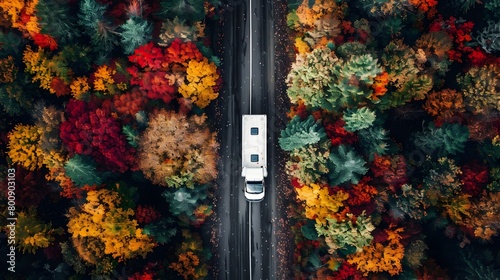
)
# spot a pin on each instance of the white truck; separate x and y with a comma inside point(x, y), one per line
point(254, 155)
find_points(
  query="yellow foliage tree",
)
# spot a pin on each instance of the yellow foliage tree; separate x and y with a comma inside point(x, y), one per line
point(302, 47)
point(101, 221)
point(319, 203)
point(104, 81)
point(202, 78)
point(38, 65)
point(24, 147)
point(379, 258)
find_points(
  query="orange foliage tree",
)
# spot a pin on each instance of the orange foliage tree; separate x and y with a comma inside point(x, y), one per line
point(378, 257)
point(445, 103)
point(190, 263)
point(320, 203)
point(484, 216)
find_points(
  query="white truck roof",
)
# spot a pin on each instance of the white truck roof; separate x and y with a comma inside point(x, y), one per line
point(254, 141)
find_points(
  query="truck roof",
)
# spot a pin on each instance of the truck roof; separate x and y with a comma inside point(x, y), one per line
point(254, 141)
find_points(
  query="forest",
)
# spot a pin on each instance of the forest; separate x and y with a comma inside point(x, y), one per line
point(109, 152)
point(393, 139)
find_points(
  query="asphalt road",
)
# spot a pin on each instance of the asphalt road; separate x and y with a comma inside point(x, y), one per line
point(246, 233)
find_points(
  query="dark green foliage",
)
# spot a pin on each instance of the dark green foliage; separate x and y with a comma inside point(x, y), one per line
point(135, 32)
point(70, 256)
point(55, 20)
point(294, 4)
point(489, 37)
point(346, 166)
point(314, 261)
point(373, 140)
point(10, 105)
point(183, 201)
point(494, 184)
point(77, 58)
point(15, 99)
point(478, 265)
point(449, 139)
point(407, 275)
point(102, 35)
point(299, 133)
point(208, 52)
point(464, 5)
point(82, 171)
point(10, 44)
point(128, 194)
point(131, 134)
point(191, 10)
point(416, 88)
point(394, 99)
point(490, 152)
point(90, 15)
point(492, 8)
point(162, 231)
point(45, 271)
point(389, 28)
point(309, 230)
point(349, 49)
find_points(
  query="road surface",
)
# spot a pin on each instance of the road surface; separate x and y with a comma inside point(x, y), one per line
point(246, 234)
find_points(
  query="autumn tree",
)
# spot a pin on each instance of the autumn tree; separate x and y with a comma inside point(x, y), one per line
point(102, 229)
point(176, 150)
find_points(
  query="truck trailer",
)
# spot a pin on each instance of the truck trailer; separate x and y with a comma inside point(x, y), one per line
point(254, 155)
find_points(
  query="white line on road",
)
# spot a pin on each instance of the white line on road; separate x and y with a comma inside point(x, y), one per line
point(250, 237)
point(250, 14)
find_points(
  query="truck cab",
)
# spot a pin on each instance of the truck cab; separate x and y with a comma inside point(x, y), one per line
point(254, 156)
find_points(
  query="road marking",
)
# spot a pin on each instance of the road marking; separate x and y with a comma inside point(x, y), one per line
point(251, 51)
point(250, 237)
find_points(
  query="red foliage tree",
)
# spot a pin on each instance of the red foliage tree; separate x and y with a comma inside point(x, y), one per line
point(145, 214)
point(130, 103)
point(59, 86)
point(45, 41)
point(182, 52)
point(460, 32)
point(151, 76)
point(474, 177)
point(391, 169)
point(90, 130)
point(347, 272)
point(337, 133)
point(148, 56)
